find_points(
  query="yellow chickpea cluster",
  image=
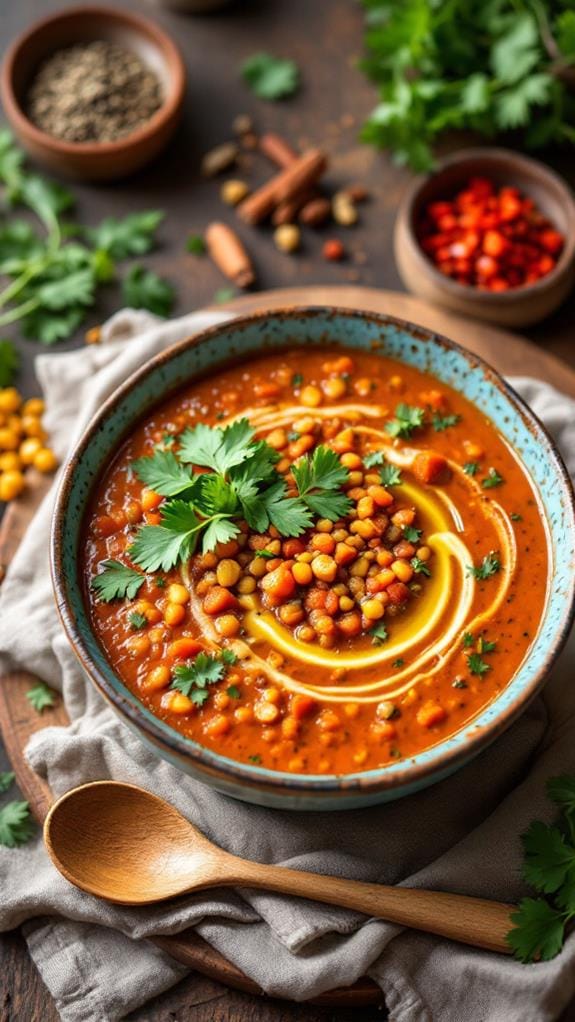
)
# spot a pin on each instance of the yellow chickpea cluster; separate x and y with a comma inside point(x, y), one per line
point(22, 442)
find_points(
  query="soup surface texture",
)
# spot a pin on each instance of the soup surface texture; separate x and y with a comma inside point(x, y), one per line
point(317, 560)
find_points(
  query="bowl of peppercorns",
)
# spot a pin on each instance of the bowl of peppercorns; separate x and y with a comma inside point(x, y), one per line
point(489, 234)
point(93, 92)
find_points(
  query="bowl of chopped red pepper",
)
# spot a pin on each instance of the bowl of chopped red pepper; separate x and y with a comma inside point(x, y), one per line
point(490, 234)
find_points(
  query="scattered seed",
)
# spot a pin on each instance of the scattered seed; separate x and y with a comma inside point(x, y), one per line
point(333, 250)
point(287, 237)
point(242, 125)
point(219, 159)
point(233, 191)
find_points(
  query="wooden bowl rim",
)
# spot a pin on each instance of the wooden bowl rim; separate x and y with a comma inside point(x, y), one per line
point(466, 292)
point(145, 27)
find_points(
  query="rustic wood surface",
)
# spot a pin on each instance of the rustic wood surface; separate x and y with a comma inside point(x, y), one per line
point(325, 39)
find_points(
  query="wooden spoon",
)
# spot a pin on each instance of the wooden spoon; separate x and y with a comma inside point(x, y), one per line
point(128, 846)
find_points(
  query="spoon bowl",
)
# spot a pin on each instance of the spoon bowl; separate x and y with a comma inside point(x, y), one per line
point(128, 846)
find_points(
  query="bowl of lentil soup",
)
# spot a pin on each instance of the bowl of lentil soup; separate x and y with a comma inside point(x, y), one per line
point(490, 234)
point(296, 553)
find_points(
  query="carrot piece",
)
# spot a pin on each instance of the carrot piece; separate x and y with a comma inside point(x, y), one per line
point(219, 599)
point(279, 584)
point(430, 714)
point(182, 649)
point(301, 706)
point(430, 467)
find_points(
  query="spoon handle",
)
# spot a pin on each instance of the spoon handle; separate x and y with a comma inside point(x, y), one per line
point(474, 921)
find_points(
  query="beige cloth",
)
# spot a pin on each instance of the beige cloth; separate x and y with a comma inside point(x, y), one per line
point(460, 835)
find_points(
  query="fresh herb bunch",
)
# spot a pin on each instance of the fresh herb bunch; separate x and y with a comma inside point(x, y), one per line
point(549, 867)
point(54, 277)
point(484, 65)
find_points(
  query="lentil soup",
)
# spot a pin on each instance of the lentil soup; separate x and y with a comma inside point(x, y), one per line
point(316, 561)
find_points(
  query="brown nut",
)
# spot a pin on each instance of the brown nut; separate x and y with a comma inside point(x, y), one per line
point(315, 212)
point(233, 191)
point(219, 159)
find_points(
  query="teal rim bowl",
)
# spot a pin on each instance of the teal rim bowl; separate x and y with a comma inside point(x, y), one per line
point(266, 331)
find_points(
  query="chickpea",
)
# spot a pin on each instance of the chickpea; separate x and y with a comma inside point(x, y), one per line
point(362, 386)
point(304, 425)
point(138, 645)
point(372, 609)
point(227, 625)
point(134, 512)
point(334, 388)
point(257, 567)
point(10, 461)
point(291, 614)
point(219, 725)
point(346, 603)
point(10, 400)
point(243, 714)
point(11, 485)
point(45, 460)
point(32, 426)
point(277, 439)
point(287, 238)
point(324, 567)
point(306, 633)
point(33, 406)
point(228, 572)
point(9, 440)
point(424, 553)
point(221, 700)
point(233, 191)
point(157, 678)
point(360, 757)
point(246, 585)
point(302, 573)
point(402, 570)
point(266, 712)
point(174, 614)
point(365, 507)
point(310, 396)
point(324, 525)
point(178, 703)
point(351, 460)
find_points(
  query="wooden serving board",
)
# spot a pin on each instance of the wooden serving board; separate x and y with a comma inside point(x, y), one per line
point(507, 352)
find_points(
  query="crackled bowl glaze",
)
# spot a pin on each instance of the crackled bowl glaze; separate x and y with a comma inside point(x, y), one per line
point(316, 326)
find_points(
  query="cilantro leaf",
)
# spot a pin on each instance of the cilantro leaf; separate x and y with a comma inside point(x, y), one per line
point(420, 567)
point(74, 289)
point(485, 646)
point(192, 679)
point(373, 459)
point(266, 554)
point(270, 77)
point(161, 547)
point(144, 289)
point(379, 634)
point(398, 662)
point(515, 517)
point(216, 448)
point(48, 327)
point(6, 780)
point(219, 530)
point(489, 566)
point(561, 790)
point(538, 930)
point(407, 418)
point(16, 826)
point(233, 692)
point(411, 534)
point(116, 581)
point(228, 657)
point(289, 515)
point(477, 665)
point(468, 640)
point(137, 621)
point(390, 475)
point(41, 696)
point(442, 422)
point(548, 857)
point(471, 468)
point(163, 473)
point(317, 478)
point(196, 245)
point(492, 479)
point(9, 362)
point(133, 235)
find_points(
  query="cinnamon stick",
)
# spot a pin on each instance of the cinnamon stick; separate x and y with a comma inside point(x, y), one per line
point(277, 149)
point(286, 185)
point(286, 212)
point(229, 254)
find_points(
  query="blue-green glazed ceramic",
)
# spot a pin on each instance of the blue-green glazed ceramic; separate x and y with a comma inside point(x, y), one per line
point(317, 326)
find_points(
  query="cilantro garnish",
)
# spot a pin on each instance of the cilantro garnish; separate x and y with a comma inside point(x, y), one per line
point(266, 554)
point(297, 380)
point(193, 679)
point(228, 657)
point(137, 620)
point(379, 634)
point(144, 289)
point(16, 826)
point(390, 475)
point(163, 473)
point(468, 640)
point(477, 665)
point(471, 468)
point(459, 683)
point(233, 691)
point(196, 245)
point(549, 867)
point(492, 479)
point(6, 780)
point(116, 581)
point(374, 458)
point(255, 759)
point(41, 696)
point(420, 567)
point(9, 361)
point(132, 236)
point(399, 662)
point(443, 422)
point(318, 480)
point(270, 77)
point(489, 566)
point(485, 646)
point(411, 534)
point(407, 418)
point(515, 517)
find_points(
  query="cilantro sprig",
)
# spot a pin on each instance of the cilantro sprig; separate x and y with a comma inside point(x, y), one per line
point(539, 924)
point(16, 825)
point(442, 422)
point(193, 679)
point(318, 480)
point(41, 696)
point(116, 581)
point(489, 566)
point(407, 419)
point(270, 77)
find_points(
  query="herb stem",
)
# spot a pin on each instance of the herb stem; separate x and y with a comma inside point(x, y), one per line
point(20, 311)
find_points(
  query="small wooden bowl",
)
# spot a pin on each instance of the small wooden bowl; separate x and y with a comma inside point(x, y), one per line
point(519, 306)
point(94, 161)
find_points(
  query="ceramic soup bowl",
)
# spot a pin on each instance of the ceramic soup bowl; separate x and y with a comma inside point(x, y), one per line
point(204, 354)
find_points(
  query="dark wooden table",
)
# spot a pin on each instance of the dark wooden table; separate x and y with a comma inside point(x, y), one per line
point(325, 39)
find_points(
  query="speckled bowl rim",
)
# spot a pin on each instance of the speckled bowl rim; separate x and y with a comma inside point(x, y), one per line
point(423, 768)
point(497, 154)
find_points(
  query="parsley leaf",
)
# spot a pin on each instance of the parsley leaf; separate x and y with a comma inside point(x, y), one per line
point(477, 665)
point(133, 235)
point(379, 634)
point(373, 459)
point(16, 826)
point(390, 475)
point(217, 448)
point(296, 381)
point(442, 422)
point(161, 547)
point(492, 479)
point(485, 646)
point(196, 245)
point(137, 621)
point(116, 581)
point(399, 662)
point(548, 857)
point(192, 679)
point(515, 517)
point(6, 780)
point(407, 418)
point(163, 473)
point(266, 554)
point(471, 468)
point(420, 567)
point(489, 566)
point(144, 289)
point(561, 790)
point(41, 696)
point(411, 534)
point(318, 480)
point(468, 640)
point(9, 361)
point(538, 930)
point(233, 692)
point(270, 77)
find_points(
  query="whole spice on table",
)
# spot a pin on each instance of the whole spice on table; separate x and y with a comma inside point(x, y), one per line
point(93, 92)
point(306, 170)
point(489, 237)
point(229, 254)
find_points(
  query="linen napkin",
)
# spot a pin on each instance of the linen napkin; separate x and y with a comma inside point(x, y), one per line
point(460, 835)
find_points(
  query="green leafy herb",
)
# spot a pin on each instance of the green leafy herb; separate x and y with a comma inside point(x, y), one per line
point(477, 665)
point(193, 679)
point(6, 780)
point(407, 418)
point(9, 362)
point(515, 517)
point(399, 662)
point(549, 867)
point(390, 475)
point(489, 566)
point(196, 245)
point(492, 479)
point(471, 468)
point(266, 554)
point(468, 640)
point(255, 759)
point(319, 480)
point(485, 646)
point(442, 422)
point(379, 634)
point(420, 567)
point(411, 534)
point(459, 683)
point(16, 826)
point(223, 295)
point(137, 621)
point(116, 581)
point(160, 582)
point(270, 77)
point(163, 473)
point(486, 67)
point(144, 289)
point(297, 380)
point(228, 657)
point(131, 236)
point(41, 696)
point(233, 691)
point(373, 459)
